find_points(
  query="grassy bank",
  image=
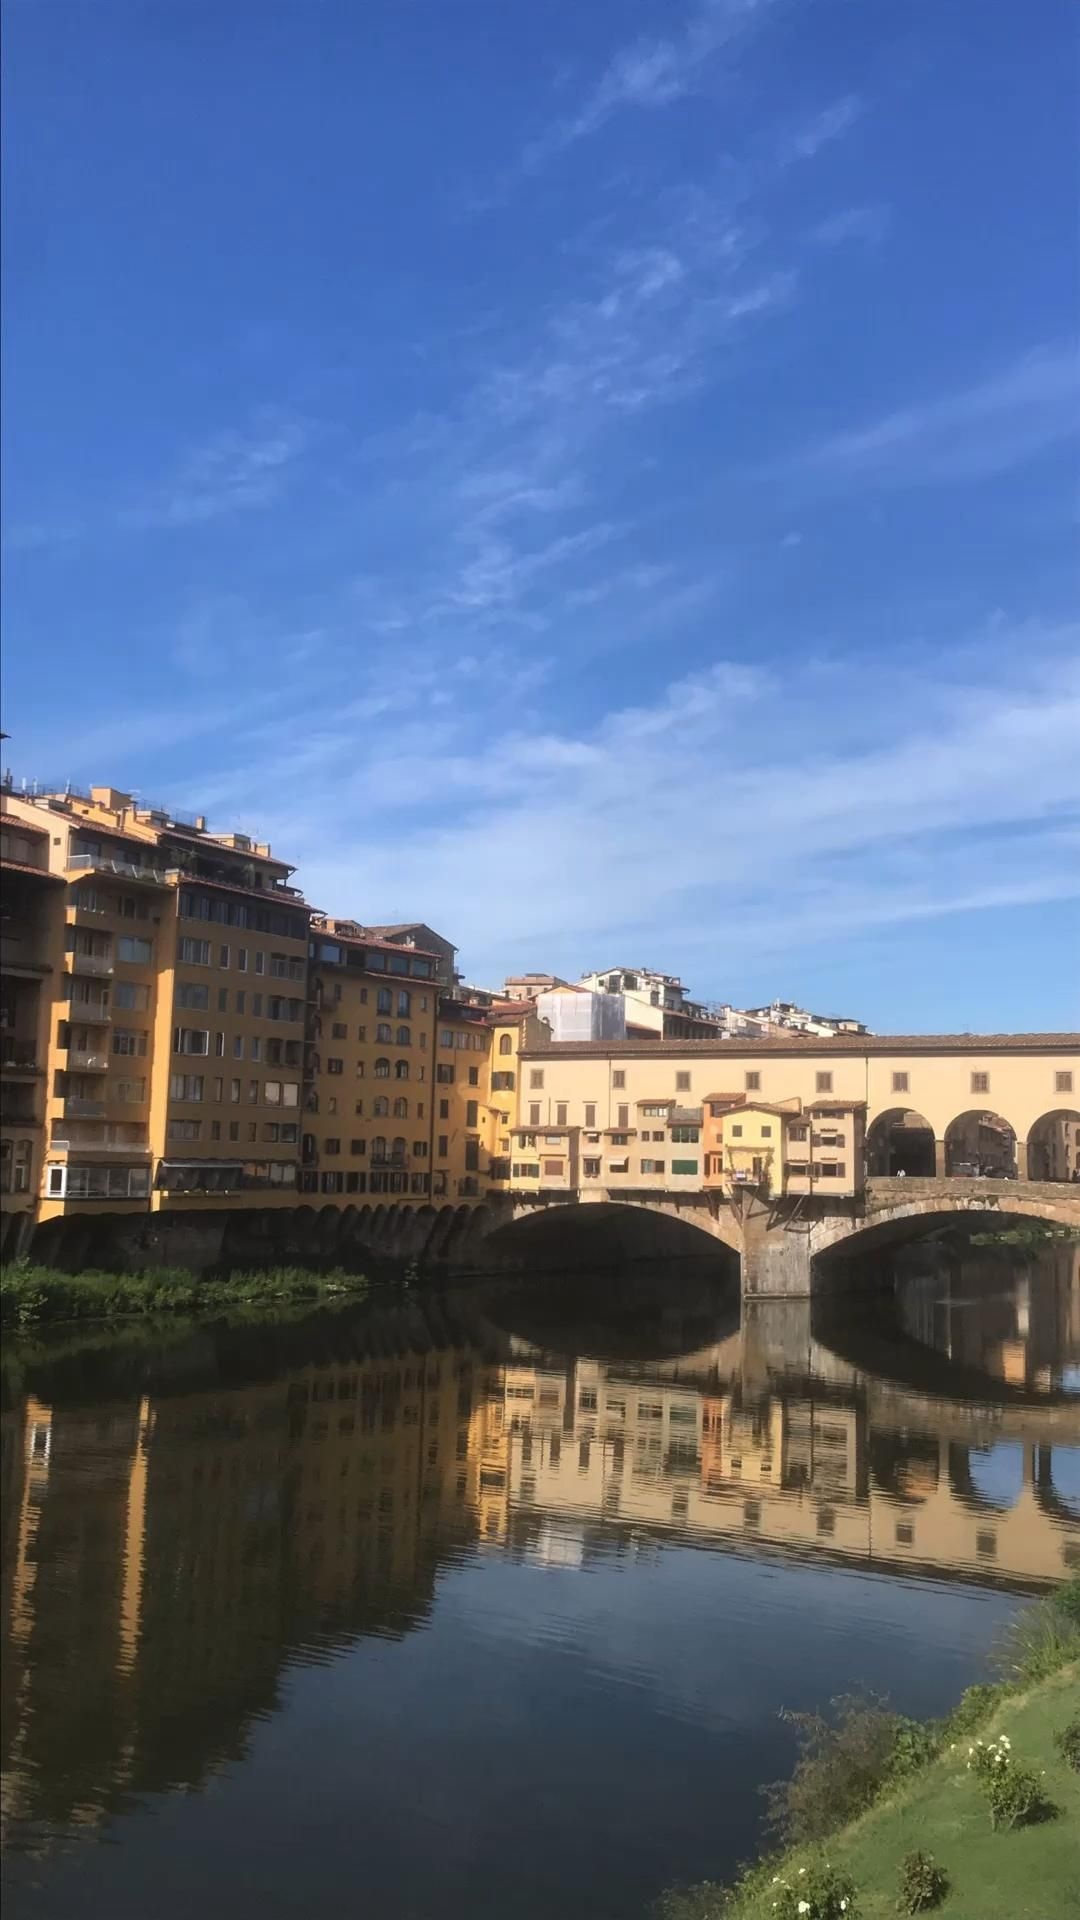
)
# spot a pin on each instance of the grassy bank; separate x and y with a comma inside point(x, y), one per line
point(875, 1792)
point(31, 1295)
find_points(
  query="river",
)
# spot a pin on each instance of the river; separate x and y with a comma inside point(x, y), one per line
point(458, 1605)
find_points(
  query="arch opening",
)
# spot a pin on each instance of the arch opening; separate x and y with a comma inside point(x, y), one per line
point(1053, 1146)
point(980, 1143)
point(602, 1235)
point(901, 1141)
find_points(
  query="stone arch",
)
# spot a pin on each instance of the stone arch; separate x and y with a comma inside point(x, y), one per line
point(1053, 1145)
point(979, 1142)
point(623, 1229)
point(1057, 1482)
point(900, 1140)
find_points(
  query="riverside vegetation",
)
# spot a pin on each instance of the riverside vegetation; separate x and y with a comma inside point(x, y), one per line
point(975, 1817)
point(31, 1295)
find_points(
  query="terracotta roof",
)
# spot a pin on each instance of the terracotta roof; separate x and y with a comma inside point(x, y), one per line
point(833, 1106)
point(79, 822)
point(367, 940)
point(407, 926)
point(214, 843)
point(764, 1106)
point(39, 873)
point(249, 893)
point(836, 1045)
point(24, 826)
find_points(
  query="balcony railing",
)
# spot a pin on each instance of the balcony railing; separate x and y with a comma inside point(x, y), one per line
point(19, 1060)
point(98, 964)
point(390, 1160)
point(90, 1013)
point(87, 1062)
point(76, 1108)
point(74, 1142)
point(21, 953)
point(126, 869)
point(469, 1186)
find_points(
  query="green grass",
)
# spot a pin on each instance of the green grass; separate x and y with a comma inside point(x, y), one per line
point(31, 1295)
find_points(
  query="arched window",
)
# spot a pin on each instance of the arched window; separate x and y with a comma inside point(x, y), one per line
point(382, 1068)
point(384, 1031)
point(384, 1002)
point(381, 1106)
point(404, 1004)
point(398, 1148)
point(378, 1147)
point(506, 1043)
point(401, 1109)
point(401, 1070)
point(404, 1037)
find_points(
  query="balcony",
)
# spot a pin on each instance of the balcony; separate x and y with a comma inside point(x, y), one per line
point(18, 1114)
point(18, 1062)
point(20, 956)
point(90, 1013)
point(74, 1142)
point(97, 964)
point(124, 869)
point(390, 1160)
point(76, 1108)
point(469, 1187)
point(87, 1062)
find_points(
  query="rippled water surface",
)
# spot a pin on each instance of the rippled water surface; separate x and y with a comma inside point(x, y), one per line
point(463, 1605)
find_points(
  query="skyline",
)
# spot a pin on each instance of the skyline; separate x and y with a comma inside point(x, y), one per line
point(633, 522)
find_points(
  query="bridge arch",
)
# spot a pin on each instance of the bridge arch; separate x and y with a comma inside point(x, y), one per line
point(896, 1213)
point(624, 1229)
point(901, 1141)
point(1053, 1146)
point(979, 1142)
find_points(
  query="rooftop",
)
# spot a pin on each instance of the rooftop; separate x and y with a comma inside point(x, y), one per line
point(833, 1045)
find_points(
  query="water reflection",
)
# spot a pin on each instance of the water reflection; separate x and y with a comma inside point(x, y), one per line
point(183, 1524)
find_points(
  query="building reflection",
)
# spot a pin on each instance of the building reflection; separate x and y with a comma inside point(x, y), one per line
point(166, 1556)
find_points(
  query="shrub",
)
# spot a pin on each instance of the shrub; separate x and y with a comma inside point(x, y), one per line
point(1013, 1790)
point(1067, 1743)
point(1043, 1638)
point(842, 1766)
point(922, 1883)
point(915, 1742)
point(706, 1901)
point(973, 1707)
point(816, 1892)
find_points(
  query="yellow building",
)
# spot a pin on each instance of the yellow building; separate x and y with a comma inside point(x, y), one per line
point(369, 1076)
point(31, 948)
point(461, 1153)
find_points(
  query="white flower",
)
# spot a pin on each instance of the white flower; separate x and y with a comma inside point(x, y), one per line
point(804, 1906)
point(802, 1869)
point(843, 1906)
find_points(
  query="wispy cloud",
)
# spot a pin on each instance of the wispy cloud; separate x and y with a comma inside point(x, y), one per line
point(826, 126)
point(1008, 418)
point(864, 226)
point(232, 472)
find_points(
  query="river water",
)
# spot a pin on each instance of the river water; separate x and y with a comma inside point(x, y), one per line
point(459, 1605)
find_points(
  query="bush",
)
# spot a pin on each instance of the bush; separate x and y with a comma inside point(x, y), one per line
point(1043, 1638)
point(706, 1901)
point(922, 1883)
point(1013, 1790)
point(816, 1892)
point(841, 1768)
point(915, 1743)
point(1067, 1743)
point(973, 1707)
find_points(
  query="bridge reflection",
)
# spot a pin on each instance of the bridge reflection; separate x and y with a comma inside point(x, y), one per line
point(272, 1495)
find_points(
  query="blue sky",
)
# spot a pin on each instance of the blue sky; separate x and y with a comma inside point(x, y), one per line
point(601, 479)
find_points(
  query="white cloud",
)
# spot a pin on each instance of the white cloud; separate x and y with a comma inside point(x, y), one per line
point(862, 225)
point(1004, 420)
point(235, 470)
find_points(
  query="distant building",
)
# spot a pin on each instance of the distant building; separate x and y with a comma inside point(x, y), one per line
point(657, 1006)
point(785, 1017)
point(526, 986)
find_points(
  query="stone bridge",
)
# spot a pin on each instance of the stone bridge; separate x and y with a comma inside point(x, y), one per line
point(783, 1244)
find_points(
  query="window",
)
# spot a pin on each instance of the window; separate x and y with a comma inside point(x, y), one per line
point(536, 1078)
point(445, 1076)
point(186, 1086)
point(506, 1043)
point(191, 1040)
point(591, 1169)
point(553, 1168)
point(215, 1129)
point(253, 1092)
point(419, 1148)
point(444, 1146)
point(766, 1133)
point(823, 1082)
point(131, 1093)
point(526, 1170)
point(830, 1170)
point(194, 953)
point(335, 1066)
point(684, 1166)
point(384, 1001)
point(241, 958)
point(404, 1036)
point(560, 1113)
point(339, 1031)
point(905, 1533)
point(129, 996)
point(590, 1114)
point(260, 961)
point(382, 1069)
point(736, 1132)
point(471, 1113)
point(798, 1133)
point(238, 1046)
point(241, 1001)
point(141, 952)
point(1063, 1083)
point(624, 1117)
point(401, 1070)
point(474, 1076)
point(900, 1083)
point(502, 1083)
point(686, 1136)
point(332, 1147)
point(404, 1003)
point(189, 994)
point(752, 1082)
point(357, 1147)
point(223, 1000)
point(682, 1083)
point(272, 1093)
point(234, 1090)
point(223, 956)
point(534, 1114)
point(185, 1129)
point(444, 1109)
point(620, 1139)
point(618, 1078)
point(652, 1166)
point(127, 1041)
point(384, 1032)
point(980, 1083)
point(234, 1125)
